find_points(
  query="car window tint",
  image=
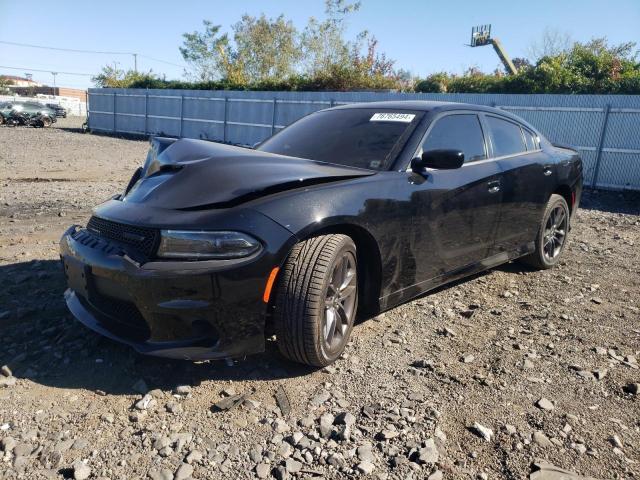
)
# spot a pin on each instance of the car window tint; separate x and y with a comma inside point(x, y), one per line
point(507, 137)
point(529, 139)
point(459, 132)
point(359, 137)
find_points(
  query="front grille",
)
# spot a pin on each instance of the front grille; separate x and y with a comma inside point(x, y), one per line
point(144, 239)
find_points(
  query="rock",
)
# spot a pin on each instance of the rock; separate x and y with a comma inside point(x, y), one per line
point(346, 418)
point(542, 470)
point(596, 300)
point(510, 429)
point(281, 473)
point(251, 404)
point(545, 404)
point(228, 403)
point(320, 398)
point(283, 401)
point(6, 382)
point(429, 453)
point(145, 402)
point(160, 474)
point(108, 417)
point(336, 460)
point(194, 456)
point(366, 467)
point(182, 390)
point(467, 358)
point(326, 425)
point(437, 475)
point(615, 441)
point(632, 388)
point(280, 426)
point(183, 472)
point(541, 439)
point(388, 434)
point(173, 407)
point(365, 453)
point(263, 470)
point(81, 470)
point(600, 373)
point(292, 466)
point(6, 371)
point(482, 431)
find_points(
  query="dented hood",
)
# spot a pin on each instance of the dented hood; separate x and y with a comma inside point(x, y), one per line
point(195, 174)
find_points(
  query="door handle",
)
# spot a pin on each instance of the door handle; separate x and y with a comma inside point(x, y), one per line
point(494, 187)
point(547, 170)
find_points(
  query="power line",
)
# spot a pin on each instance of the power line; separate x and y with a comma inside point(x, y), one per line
point(64, 49)
point(75, 50)
point(48, 71)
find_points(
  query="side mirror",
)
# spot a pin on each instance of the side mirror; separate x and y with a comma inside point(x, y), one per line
point(446, 159)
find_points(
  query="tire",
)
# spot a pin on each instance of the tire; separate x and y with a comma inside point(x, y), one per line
point(313, 320)
point(46, 121)
point(552, 235)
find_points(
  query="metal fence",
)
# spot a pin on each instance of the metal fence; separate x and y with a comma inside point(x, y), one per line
point(605, 129)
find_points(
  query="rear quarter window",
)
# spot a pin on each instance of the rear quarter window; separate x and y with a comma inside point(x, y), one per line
point(507, 137)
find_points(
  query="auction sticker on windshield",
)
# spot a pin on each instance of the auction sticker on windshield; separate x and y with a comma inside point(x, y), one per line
point(392, 117)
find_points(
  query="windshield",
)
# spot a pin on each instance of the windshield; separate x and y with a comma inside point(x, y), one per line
point(360, 137)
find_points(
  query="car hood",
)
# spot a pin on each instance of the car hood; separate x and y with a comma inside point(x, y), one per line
point(195, 174)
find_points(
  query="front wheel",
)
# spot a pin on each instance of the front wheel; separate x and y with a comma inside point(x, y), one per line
point(317, 299)
point(552, 234)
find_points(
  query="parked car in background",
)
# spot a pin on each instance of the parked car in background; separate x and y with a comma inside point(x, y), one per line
point(60, 110)
point(26, 113)
point(212, 248)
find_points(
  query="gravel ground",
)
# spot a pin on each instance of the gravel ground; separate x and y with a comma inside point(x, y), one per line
point(497, 376)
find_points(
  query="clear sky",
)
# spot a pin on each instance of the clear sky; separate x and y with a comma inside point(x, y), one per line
point(422, 36)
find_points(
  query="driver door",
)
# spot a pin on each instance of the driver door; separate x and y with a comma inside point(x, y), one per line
point(456, 212)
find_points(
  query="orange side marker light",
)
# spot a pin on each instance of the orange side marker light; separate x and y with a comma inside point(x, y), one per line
point(270, 281)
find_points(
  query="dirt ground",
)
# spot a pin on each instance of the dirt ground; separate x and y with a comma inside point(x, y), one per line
point(544, 360)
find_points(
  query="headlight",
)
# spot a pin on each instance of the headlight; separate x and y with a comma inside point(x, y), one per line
point(206, 245)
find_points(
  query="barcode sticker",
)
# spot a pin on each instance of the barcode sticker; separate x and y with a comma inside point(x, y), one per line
point(392, 117)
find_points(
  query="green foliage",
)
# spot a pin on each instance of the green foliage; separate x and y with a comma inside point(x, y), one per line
point(112, 77)
point(4, 84)
point(593, 67)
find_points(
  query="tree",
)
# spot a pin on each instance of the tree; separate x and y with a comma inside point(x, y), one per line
point(552, 43)
point(266, 48)
point(113, 77)
point(4, 84)
point(209, 54)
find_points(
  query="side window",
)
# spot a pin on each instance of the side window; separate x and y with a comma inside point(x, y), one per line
point(507, 137)
point(530, 139)
point(459, 131)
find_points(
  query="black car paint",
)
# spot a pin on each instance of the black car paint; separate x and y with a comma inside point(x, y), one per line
point(414, 231)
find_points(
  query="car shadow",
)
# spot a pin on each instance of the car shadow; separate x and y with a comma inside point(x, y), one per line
point(44, 343)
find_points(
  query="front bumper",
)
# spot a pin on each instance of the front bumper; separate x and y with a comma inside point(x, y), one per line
point(187, 310)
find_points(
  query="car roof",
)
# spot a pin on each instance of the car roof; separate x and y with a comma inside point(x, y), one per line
point(432, 106)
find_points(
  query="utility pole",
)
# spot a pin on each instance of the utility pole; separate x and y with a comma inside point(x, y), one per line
point(54, 81)
point(135, 62)
point(481, 35)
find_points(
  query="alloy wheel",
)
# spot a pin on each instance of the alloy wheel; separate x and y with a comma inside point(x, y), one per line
point(340, 301)
point(555, 233)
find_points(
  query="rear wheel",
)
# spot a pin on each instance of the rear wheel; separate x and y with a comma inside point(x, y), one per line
point(552, 234)
point(46, 121)
point(317, 300)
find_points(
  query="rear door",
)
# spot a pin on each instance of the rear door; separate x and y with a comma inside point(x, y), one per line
point(456, 211)
point(526, 182)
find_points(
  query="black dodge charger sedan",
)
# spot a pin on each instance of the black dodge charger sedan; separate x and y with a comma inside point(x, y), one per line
point(354, 209)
